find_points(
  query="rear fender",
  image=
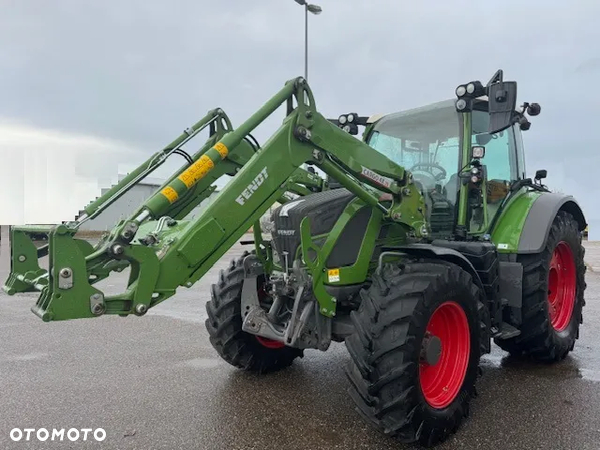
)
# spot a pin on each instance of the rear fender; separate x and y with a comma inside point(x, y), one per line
point(524, 224)
point(539, 220)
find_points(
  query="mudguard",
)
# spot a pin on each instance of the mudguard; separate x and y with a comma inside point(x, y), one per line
point(525, 222)
point(447, 254)
point(539, 220)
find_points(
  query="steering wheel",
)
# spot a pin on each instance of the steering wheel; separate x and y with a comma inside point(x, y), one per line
point(438, 177)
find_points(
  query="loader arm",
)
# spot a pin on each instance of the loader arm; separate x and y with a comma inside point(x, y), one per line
point(164, 251)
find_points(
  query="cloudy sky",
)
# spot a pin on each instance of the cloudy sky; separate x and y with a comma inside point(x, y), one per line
point(89, 89)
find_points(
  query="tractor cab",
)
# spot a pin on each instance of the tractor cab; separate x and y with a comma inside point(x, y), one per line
point(464, 180)
point(426, 142)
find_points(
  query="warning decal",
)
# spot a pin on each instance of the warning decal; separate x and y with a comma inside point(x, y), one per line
point(196, 171)
point(170, 193)
point(333, 275)
point(222, 149)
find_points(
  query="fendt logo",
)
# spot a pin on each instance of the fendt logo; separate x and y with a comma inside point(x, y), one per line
point(252, 187)
point(43, 434)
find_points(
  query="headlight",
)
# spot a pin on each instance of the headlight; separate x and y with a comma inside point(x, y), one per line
point(461, 90)
point(342, 119)
point(347, 128)
point(470, 88)
point(351, 118)
point(461, 104)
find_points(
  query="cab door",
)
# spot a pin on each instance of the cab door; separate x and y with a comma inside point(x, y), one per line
point(503, 164)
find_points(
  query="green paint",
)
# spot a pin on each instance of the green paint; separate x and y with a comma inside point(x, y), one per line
point(508, 228)
point(263, 249)
point(24, 268)
point(57, 302)
point(316, 258)
point(357, 272)
point(464, 160)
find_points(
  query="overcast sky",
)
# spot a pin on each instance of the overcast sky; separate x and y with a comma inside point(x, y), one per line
point(100, 85)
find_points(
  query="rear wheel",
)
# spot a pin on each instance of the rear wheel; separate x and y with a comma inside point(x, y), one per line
point(224, 324)
point(553, 295)
point(416, 349)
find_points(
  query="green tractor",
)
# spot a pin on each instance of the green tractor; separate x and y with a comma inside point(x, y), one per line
point(425, 244)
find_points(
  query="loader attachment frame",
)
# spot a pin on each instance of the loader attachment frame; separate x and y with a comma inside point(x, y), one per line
point(165, 251)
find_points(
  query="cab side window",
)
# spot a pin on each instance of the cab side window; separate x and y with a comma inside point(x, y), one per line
point(500, 157)
point(520, 152)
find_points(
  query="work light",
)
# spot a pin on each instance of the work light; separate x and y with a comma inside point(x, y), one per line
point(461, 90)
point(478, 152)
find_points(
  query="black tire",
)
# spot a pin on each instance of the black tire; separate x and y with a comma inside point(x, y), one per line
point(385, 349)
point(539, 338)
point(224, 325)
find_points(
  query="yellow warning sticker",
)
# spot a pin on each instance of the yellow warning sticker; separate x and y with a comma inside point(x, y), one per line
point(170, 193)
point(222, 149)
point(333, 275)
point(196, 171)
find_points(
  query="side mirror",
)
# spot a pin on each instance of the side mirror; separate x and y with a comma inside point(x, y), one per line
point(533, 109)
point(541, 174)
point(502, 98)
point(483, 138)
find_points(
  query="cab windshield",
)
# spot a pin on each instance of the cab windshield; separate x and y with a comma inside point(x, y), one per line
point(426, 142)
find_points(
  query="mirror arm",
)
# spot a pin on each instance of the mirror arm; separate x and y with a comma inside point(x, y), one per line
point(497, 78)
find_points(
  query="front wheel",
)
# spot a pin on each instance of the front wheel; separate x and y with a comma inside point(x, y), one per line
point(415, 350)
point(224, 325)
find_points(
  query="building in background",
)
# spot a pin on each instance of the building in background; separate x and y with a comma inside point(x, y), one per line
point(130, 201)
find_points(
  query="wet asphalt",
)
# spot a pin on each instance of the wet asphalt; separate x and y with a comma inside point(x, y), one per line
point(156, 383)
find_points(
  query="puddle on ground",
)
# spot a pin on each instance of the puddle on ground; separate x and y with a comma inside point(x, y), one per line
point(567, 369)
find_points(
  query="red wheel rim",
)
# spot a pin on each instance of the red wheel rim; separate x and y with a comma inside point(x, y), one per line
point(270, 343)
point(562, 281)
point(441, 382)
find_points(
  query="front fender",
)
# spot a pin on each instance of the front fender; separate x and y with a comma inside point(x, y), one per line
point(436, 251)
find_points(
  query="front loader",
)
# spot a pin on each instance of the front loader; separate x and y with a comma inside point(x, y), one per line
point(427, 244)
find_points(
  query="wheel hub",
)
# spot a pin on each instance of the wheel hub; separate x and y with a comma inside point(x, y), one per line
point(431, 350)
point(562, 280)
point(445, 352)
